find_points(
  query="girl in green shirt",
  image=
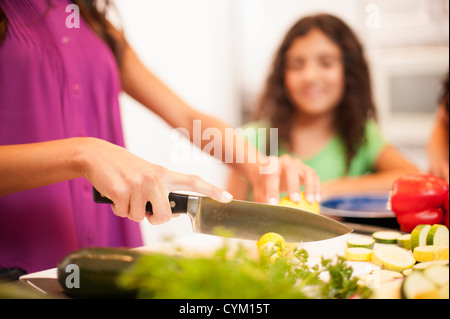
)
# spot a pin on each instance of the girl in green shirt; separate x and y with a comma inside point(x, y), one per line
point(318, 95)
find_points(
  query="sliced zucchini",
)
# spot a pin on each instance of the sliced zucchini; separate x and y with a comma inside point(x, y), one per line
point(431, 253)
point(358, 254)
point(419, 236)
point(393, 258)
point(438, 235)
point(360, 241)
point(404, 241)
point(386, 237)
point(407, 272)
point(426, 264)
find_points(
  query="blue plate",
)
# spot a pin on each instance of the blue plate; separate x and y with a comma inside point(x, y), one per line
point(360, 205)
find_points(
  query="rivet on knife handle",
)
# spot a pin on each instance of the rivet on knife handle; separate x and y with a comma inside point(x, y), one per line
point(178, 202)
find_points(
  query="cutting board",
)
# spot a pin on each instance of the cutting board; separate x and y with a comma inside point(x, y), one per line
point(45, 282)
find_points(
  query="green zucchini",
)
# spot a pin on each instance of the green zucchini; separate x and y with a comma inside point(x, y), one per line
point(419, 236)
point(93, 272)
point(404, 241)
point(386, 237)
point(438, 235)
point(360, 241)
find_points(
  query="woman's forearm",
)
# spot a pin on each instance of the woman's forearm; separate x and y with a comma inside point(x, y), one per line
point(27, 166)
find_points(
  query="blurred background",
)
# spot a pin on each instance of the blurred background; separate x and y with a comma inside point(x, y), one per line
point(216, 54)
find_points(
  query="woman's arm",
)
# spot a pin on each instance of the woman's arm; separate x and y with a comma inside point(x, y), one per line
point(238, 186)
point(438, 145)
point(147, 89)
point(129, 181)
point(389, 165)
point(34, 165)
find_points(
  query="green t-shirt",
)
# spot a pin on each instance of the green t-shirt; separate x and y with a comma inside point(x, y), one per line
point(330, 162)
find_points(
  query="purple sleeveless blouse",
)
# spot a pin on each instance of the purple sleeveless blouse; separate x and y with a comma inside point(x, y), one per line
point(56, 82)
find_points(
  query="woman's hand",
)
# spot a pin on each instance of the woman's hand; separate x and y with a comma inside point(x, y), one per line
point(130, 182)
point(285, 173)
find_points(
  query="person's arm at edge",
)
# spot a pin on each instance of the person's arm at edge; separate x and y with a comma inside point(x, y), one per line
point(437, 148)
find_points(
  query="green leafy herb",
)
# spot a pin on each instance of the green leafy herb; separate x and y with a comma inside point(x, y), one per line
point(234, 275)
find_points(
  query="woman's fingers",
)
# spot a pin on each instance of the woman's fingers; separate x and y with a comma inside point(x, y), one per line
point(134, 208)
point(162, 212)
point(121, 201)
point(196, 184)
point(138, 201)
point(131, 203)
point(177, 181)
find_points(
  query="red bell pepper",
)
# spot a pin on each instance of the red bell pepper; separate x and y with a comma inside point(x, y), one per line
point(418, 199)
point(430, 216)
point(418, 192)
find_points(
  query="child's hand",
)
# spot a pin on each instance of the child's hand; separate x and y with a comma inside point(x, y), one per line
point(290, 175)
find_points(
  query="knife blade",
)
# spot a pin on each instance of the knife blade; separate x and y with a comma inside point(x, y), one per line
point(250, 220)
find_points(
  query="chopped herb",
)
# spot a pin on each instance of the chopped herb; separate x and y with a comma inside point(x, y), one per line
point(238, 276)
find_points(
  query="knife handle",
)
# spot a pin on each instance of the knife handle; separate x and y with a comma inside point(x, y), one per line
point(178, 202)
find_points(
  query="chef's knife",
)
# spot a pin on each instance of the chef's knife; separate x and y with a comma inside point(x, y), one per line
point(249, 220)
